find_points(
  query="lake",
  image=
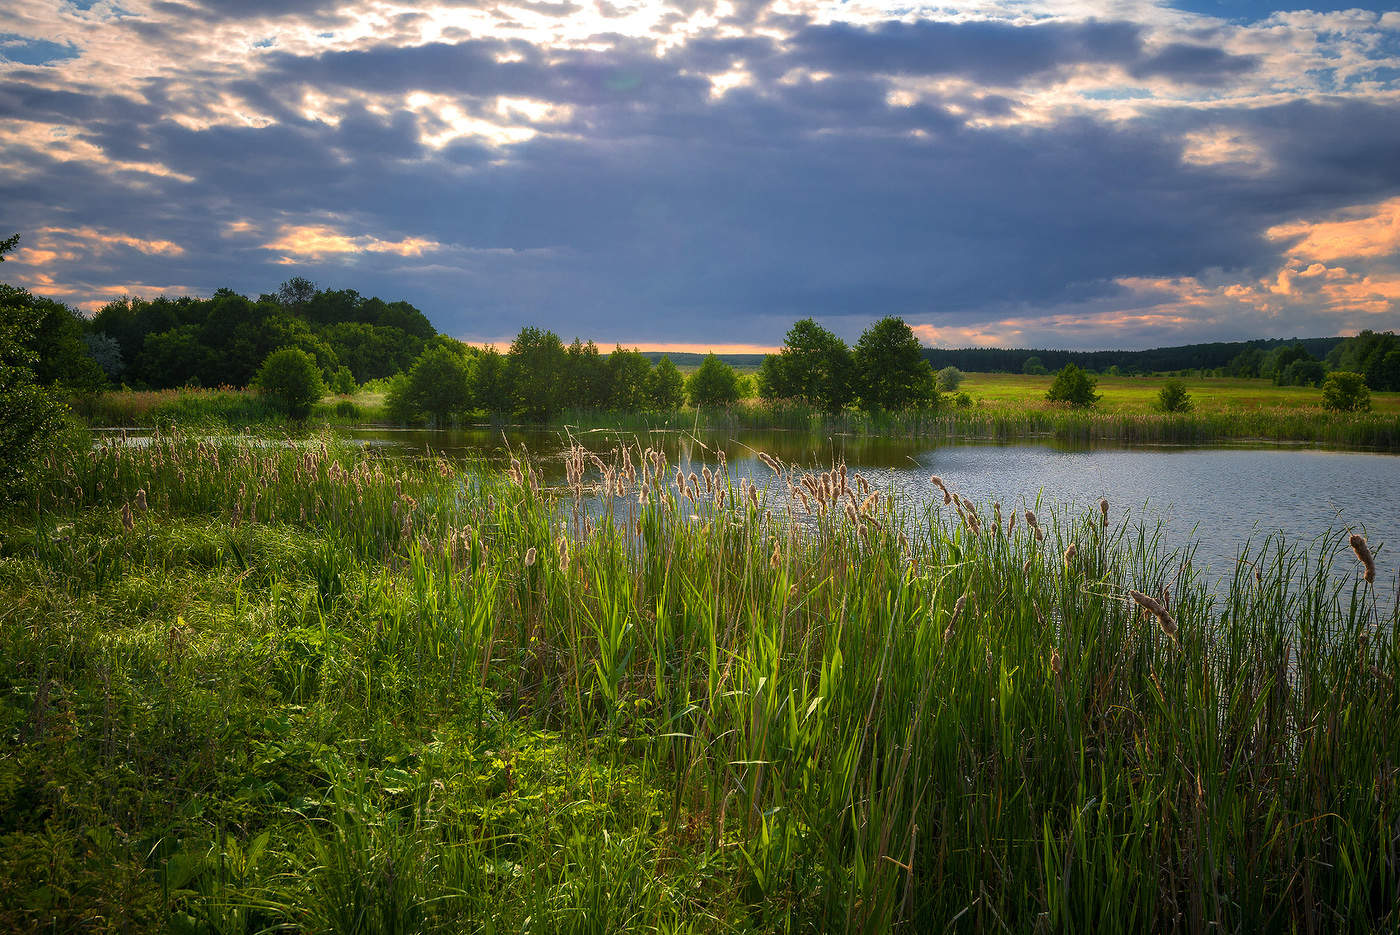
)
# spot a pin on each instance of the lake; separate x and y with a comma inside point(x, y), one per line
point(1222, 497)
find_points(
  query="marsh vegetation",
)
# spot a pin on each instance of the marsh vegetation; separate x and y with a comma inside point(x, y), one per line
point(255, 686)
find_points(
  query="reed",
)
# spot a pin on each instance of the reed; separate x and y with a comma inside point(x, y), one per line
point(314, 688)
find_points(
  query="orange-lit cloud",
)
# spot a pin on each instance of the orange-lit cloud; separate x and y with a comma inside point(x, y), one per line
point(318, 241)
point(1368, 231)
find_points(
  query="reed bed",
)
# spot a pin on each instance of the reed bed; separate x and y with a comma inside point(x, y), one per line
point(296, 686)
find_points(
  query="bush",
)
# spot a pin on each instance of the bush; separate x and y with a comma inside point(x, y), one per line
point(949, 379)
point(714, 384)
point(1302, 373)
point(342, 382)
point(290, 378)
point(1073, 386)
point(30, 415)
point(963, 401)
point(1034, 365)
point(1345, 391)
point(1173, 397)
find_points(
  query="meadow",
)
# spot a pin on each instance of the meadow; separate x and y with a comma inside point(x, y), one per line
point(263, 684)
point(1003, 407)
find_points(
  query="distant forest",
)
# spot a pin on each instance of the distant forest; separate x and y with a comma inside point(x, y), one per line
point(1208, 357)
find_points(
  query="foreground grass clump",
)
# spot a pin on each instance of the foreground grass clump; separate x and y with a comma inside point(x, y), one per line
point(252, 687)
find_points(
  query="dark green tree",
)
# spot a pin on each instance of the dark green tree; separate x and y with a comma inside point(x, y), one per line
point(1073, 386)
point(1034, 365)
point(714, 384)
point(666, 387)
point(291, 379)
point(587, 377)
point(56, 338)
point(492, 390)
point(891, 370)
point(1346, 391)
point(437, 386)
point(30, 415)
point(629, 380)
point(535, 366)
point(814, 366)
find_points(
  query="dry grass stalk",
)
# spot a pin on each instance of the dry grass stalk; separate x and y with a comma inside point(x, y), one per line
point(1363, 555)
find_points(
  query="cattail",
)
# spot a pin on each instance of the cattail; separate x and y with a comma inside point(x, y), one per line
point(530, 557)
point(753, 496)
point(1363, 555)
point(1103, 510)
point(1025, 568)
point(563, 553)
point(851, 515)
point(126, 517)
point(869, 502)
point(1157, 610)
point(141, 500)
point(1011, 523)
point(776, 558)
point(957, 611)
point(1055, 664)
point(1070, 551)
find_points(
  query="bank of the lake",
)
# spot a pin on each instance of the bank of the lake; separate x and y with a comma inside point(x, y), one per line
point(1012, 408)
point(253, 686)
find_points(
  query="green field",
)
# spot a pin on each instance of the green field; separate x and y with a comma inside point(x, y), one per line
point(253, 687)
point(1138, 394)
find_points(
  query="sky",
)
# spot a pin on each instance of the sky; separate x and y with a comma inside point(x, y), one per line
point(697, 174)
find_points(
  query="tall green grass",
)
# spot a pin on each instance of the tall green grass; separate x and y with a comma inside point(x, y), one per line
point(307, 688)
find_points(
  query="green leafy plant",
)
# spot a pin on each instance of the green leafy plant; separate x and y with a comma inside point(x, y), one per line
point(1346, 391)
point(292, 380)
point(1074, 387)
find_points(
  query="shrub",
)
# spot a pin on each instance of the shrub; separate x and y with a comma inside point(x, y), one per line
point(1073, 386)
point(342, 382)
point(291, 379)
point(949, 379)
point(437, 386)
point(963, 401)
point(1034, 365)
point(29, 413)
point(1345, 391)
point(1173, 397)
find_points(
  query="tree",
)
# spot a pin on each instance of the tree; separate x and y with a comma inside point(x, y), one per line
point(296, 292)
point(1034, 365)
point(438, 386)
point(891, 371)
point(666, 387)
point(31, 414)
point(291, 379)
point(106, 353)
point(949, 379)
point(1302, 372)
point(1073, 386)
point(54, 334)
point(1173, 397)
point(629, 377)
point(1346, 391)
point(814, 366)
point(586, 377)
point(492, 390)
point(342, 381)
point(714, 384)
point(535, 366)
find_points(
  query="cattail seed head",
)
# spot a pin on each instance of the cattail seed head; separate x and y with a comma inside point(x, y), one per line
point(1030, 520)
point(126, 517)
point(776, 558)
point(141, 500)
point(1070, 552)
point(1103, 509)
point(530, 556)
point(1363, 555)
point(1164, 619)
point(1055, 664)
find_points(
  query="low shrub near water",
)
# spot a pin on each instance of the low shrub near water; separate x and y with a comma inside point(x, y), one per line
point(252, 686)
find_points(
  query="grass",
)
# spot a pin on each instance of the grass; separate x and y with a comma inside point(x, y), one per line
point(1139, 394)
point(224, 407)
point(308, 688)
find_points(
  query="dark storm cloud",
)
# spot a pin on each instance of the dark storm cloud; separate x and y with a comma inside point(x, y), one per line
point(660, 210)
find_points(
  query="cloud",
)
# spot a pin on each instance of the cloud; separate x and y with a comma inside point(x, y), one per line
point(696, 172)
